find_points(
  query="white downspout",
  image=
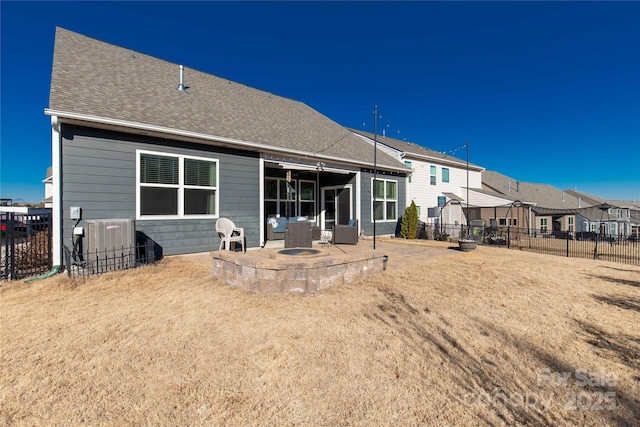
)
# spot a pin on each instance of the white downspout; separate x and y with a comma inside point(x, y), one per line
point(358, 201)
point(56, 173)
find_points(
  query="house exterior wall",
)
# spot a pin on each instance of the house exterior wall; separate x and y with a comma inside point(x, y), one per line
point(548, 227)
point(426, 195)
point(382, 227)
point(99, 176)
point(582, 224)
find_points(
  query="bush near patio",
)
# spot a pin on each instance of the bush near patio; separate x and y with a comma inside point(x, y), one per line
point(409, 223)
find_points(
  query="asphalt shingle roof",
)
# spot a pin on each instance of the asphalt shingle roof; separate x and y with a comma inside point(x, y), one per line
point(98, 79)
point(543, 195)
point(413, 148)
point(633, 204)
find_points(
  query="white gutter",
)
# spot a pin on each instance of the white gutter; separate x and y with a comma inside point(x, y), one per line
point(201, 136)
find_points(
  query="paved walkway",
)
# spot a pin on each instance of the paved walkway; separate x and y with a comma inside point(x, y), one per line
point(402, 253)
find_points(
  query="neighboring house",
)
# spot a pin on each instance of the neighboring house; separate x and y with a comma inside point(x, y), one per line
point(48, 188)
point(558, 211)
point(622, 218)
point(550, 210)
point(174, 148)
point(435, 176)
point(438, 185)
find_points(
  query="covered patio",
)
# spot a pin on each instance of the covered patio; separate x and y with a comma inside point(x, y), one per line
point(322, 195)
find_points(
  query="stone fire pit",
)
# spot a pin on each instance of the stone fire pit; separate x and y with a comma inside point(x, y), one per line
point(294, 269)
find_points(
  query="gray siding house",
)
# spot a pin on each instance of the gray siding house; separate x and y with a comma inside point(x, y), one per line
point(173, 148)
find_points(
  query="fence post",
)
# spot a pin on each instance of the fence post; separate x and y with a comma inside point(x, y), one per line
point(568, 235)
point(6, 249)
point(508, 237)
point(11, 254)
point(49, 242)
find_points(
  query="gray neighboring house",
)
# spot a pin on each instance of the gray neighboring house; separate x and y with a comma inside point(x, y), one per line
point(557, 211)
point(174, 148)
point(622, 218)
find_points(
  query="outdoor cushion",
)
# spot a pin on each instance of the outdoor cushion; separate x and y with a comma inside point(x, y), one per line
point(278, 225)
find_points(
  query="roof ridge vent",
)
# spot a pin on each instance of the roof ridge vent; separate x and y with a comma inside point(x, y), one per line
point(181, 86)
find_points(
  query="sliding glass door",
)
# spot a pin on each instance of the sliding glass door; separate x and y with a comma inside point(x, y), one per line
point(337, 206)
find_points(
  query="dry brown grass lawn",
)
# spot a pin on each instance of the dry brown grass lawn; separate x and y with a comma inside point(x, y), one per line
point(478, 338)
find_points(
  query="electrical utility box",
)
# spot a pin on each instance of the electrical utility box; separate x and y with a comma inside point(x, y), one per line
point(110, 244)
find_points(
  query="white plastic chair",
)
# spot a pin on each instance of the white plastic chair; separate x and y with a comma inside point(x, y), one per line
point(228, 232)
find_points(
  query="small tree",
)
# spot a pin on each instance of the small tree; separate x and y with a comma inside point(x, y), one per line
point(409, 224)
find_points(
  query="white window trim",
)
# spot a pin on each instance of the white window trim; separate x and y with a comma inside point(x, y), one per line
point(181, 186)
point(385, 200)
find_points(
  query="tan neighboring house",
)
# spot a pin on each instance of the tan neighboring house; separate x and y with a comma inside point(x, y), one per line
point(538, 198)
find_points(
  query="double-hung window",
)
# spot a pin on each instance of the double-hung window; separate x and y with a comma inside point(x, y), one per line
point(176, 186)
point(543, 225)
point(432, 171)
point(409, 164)
point(385, 207)
point(445, 174)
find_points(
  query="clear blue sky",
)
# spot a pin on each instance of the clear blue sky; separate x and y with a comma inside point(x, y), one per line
point(546, 92)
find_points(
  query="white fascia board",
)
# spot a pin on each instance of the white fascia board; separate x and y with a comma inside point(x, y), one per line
point(152, 130)
point(459, 164)
point(313, 167)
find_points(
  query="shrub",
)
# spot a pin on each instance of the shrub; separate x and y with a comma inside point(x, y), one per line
point(409, 225)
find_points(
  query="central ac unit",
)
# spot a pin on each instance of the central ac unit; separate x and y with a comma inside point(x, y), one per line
point(111, 243)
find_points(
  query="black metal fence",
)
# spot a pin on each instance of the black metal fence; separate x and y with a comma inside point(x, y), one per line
point(98, 262)
point(26, 245)
point(588, 245)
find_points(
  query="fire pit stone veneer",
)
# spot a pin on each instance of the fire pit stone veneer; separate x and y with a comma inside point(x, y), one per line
point(310, 271)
